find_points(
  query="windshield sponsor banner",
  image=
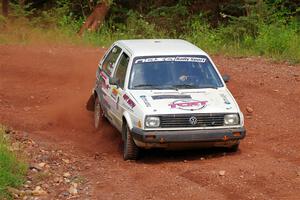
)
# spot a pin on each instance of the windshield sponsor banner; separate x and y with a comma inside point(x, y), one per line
point(190, 105)
point(171, 59)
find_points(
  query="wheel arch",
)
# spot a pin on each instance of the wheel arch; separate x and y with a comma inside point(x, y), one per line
point(126, 120)
point(95, 94)
point(91, 101)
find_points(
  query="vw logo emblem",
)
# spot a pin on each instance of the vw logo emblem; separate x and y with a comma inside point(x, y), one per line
point(193, 121)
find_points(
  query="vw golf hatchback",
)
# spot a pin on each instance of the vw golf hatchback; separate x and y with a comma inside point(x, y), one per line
point(165, 94)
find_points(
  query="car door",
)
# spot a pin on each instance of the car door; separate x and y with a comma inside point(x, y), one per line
point(117, 91)
point(105, 71)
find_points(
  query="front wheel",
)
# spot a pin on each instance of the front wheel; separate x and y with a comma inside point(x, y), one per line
point(98, 113)
point(130, 151)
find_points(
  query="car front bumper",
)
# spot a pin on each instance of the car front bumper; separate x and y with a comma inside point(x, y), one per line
point(210, 137)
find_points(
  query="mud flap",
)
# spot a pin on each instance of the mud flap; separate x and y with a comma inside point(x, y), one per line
point(90, 103)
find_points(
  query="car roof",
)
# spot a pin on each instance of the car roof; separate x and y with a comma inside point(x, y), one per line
point(156, 47)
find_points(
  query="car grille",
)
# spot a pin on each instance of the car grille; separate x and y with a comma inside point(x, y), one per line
point(203, 120)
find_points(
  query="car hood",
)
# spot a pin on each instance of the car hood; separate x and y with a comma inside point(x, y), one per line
point(185, 101)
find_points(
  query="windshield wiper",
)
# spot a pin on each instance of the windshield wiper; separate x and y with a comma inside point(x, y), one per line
point(191, 86)
point(184, 86)
point(146, 86)
point(208, 86)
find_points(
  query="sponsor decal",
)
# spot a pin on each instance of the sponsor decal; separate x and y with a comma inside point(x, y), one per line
point(226, 101)
point(190, 105)
point(106, 104)
point(103, 75)
point(128, 101)
point(104, 86)
point(171, 59)
point(146, 102)
point(115, 91)
point(103, 80)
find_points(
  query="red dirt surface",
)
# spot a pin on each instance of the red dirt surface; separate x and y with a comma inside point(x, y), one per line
point(43, 91)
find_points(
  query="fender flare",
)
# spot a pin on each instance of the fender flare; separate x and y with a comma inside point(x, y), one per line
point(126, 119)
point(126, 116)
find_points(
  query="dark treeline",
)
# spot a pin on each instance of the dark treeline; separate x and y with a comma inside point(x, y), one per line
point(172, 15)
point(214, 10)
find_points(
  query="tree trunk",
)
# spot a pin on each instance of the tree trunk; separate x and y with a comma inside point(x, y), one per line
point(5, 8)
point(95, 20)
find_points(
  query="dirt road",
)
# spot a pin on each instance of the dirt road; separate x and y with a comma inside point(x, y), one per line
point(43, 90)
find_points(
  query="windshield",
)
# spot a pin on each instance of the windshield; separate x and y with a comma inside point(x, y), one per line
point(173, 72)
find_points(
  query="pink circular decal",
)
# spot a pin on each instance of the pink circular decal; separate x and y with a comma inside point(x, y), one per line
point(190, 104)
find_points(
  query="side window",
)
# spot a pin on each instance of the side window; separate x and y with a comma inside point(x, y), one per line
point(110, 60)
point(121, 69)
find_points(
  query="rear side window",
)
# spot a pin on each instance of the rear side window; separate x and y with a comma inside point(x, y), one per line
point(122, 68)
point(110, 60)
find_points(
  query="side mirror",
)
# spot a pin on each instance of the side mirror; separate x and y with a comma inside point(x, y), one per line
point(226, 78)
point(114, 81)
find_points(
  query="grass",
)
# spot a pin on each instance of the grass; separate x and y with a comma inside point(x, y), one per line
point(12, 170)
point(280, 42)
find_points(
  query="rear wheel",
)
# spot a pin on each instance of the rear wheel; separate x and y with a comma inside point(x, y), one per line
point(130, 151)
point(98, 113)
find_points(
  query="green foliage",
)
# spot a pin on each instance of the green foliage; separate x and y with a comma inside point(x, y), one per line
point(244, 27)
point(137, 26)
point(134, 27)
point(17, 11)
point(3, 21)
point(169, 12)
point(263, 31)
point(12, 171)
point(279, 42)
point(200, 33)
point(57, 16)
point(171, 18)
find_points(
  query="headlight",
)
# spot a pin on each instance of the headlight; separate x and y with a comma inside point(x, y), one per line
point(152, 122)
point(231, 119)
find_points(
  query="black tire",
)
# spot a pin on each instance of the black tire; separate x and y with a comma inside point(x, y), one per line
point(130, 151)
point(233, 148)
point(98, 113)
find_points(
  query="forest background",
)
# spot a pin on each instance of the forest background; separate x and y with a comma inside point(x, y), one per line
point(267, 28)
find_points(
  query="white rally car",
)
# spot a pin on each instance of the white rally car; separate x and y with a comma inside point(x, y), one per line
point(165, 94)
